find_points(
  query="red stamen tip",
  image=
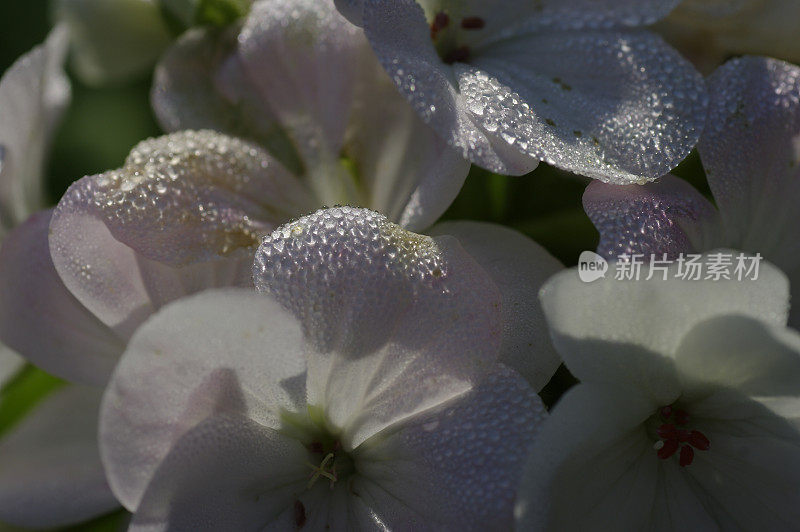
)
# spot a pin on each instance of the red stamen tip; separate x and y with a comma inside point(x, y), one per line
point(473, 23)
point(666, 412)
point(683, 435)
point(668, 449)
point(667, 431)
point(440, 22)
point(686, 457)
point(681, 417)
point(698, 440)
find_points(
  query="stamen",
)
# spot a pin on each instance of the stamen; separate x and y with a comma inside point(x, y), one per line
point(319, 471)
point(681, 417)
point(686, 457)
point(440, 22)
point(460, 55)
point(668, 449)
point(674, 438)
point(698, 440)
point(472, 23)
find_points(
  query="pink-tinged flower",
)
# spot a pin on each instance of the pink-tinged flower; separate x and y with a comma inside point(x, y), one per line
point(359, 389)
point(751, 154)
point(574, 83)
point(34, 92)
point(687, 415)
point(301, 81)
point(709, 31)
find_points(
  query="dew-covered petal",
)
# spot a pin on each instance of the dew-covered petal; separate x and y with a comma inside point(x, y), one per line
point(619, 107)
point(114, 41)
point(41, 319)
point(430, 85)
point(34, 92)
point(408, 172)
point(399, 322)
point(519, 267)
point(304, 59)
point(667, 217)
point(751, 154)
point(457, 467)
point(592, 463)
point(602, 333)
point(744, 354)
point(227, 473)
point(215, 352)
point(50, 469)
point(186, 211)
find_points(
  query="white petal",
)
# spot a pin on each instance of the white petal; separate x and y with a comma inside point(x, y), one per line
point(304, 59)
point(519, 267)
point(400, 322)
point(668, 216)
point(33, 95)
point(227, 473)
point(457, 467)
point(200, 83)
point(41, 319)
point(751, 154)
point(50, 470)
point(114, 41)
point(412, 190)
point(742, 353)
point(603, 334)
point(10, 364)
point(185, 211)
point(592, 463)
point(412, 62)
point(619, 107)
point(216, 352)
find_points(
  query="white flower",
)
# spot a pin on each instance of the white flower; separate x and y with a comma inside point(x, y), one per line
point(751, 154)
point(686, 417)
point(708, 31)
point(300, 80)
point(569, 82)
point(359, 390)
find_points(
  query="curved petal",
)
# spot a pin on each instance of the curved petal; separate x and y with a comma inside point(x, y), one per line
point(751, 154)
point(666, 217)
point(200, 83)
point(185, 211)
point(744, 354)
point(115, 41)
point(41, 319)
point(410, 190)
point(457, 467)
point(602, 333)
point(227, 473)
point(33, 95)
point(216, 352)
point(10, 364)
point(399, 322)
point(429, 85)
point(50, 470)
point(304, 58)
point(592, 463)
point(519, 267)
point(619, 107)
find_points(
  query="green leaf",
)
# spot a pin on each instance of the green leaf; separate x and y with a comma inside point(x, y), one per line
point(23, 393)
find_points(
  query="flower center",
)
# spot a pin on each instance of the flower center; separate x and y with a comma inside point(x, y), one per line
point(335, 464)
point(673, 433)
point(449, 34)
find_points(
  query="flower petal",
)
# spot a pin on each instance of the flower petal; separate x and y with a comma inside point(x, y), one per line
point(603, 335)
point(212, 353)
point(10, 364)
point(410, 190)
point(304, 59)
point(744, 354)
point(619, 107)
point(33, 95)
point(50, 470)
point(399, 322)
point(411, 61)
point(183, 214)
point(519, 267)
point(751, 154)
point(458, 466)
point(41, 319)
point(668, 216)
point(227, 473)
point(592, 463)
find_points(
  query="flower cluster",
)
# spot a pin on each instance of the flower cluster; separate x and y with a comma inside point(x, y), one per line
point(266, 318)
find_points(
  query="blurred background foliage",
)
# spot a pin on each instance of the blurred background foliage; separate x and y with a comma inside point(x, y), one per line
point(103, 124)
